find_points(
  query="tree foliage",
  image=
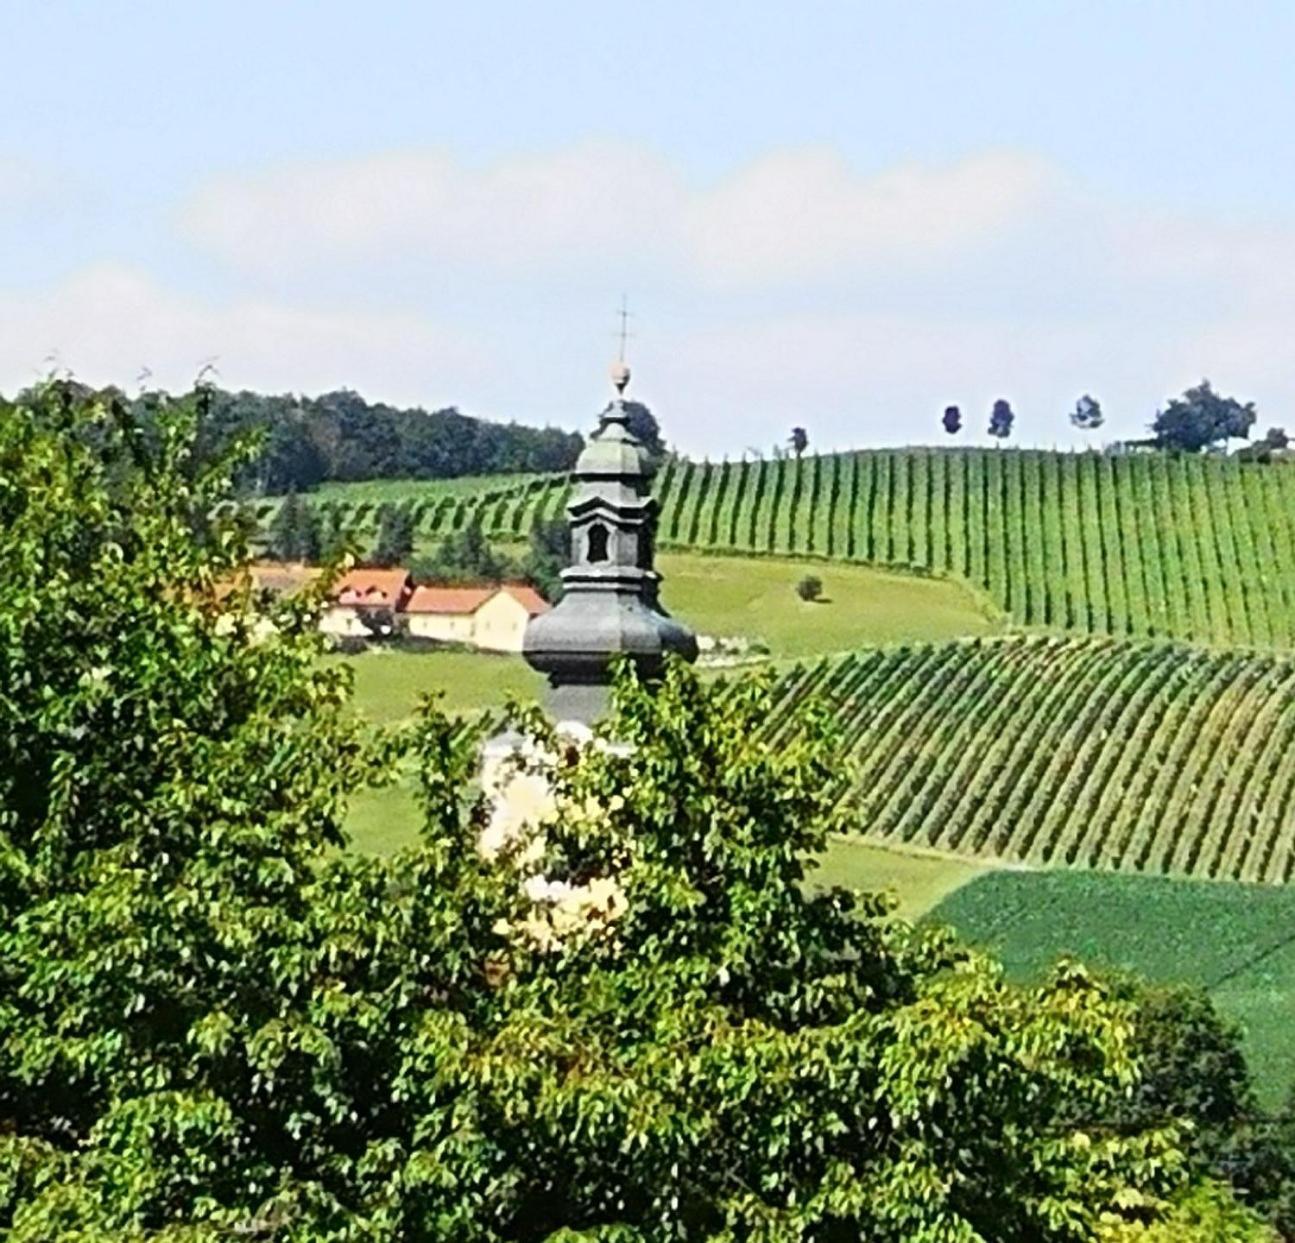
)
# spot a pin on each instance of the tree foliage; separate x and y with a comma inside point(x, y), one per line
point(632, 1018)
point(799, 441)
point(1200, 418)
point(643, 426)
point(464, 557)
point(548, 553)
point(295, 533)
point(1001, 419)
point(395, 536)
point(810, 588)
point(340, 435)
point(1087, 414)
point(952, 420)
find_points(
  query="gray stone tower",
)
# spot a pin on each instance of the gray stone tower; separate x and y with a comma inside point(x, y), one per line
point(610, 606)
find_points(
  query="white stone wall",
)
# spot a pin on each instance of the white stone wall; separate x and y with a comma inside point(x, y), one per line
point(500, 623)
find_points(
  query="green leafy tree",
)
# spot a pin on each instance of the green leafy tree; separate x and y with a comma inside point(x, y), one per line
point(952, 420)
point(646, 430)
point(810, 588)
point(335, 541)
point(1193, 1067)
point(169, 784)
point(1275, 441)
point(1087, 414)
point(548, 552)
point(799, 441)
point(395, 536)
point(465, 556)
point(1001, 419)
point(1200, 418)
point(295, 531)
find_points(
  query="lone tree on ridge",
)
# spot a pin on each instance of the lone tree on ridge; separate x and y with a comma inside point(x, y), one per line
point(1201, 418)
point(1087, 414)
point(1001, 419)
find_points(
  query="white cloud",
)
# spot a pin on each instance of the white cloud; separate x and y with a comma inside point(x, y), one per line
point(797, 215)
point(110, 324)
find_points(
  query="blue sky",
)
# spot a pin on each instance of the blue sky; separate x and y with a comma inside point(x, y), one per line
point(839, 215)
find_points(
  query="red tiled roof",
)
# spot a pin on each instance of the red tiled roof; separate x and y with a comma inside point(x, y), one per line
point(373, 587)
point(527, 597)
point(464, 600)
point(459, 600)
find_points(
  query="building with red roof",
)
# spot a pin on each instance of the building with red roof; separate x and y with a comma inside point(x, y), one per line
point(493, 617)
point(366, 604)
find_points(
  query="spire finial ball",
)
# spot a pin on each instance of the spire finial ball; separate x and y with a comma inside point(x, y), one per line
point(620, 374)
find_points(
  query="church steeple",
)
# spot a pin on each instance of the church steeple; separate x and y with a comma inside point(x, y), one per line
point(610, 605)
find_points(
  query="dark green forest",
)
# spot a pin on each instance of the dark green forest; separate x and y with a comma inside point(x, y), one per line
point(341, 436)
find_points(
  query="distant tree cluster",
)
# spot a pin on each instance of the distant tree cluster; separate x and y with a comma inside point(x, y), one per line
point(340, 436)
point(1275, 441)
point(467, 557)
point(1199, 419)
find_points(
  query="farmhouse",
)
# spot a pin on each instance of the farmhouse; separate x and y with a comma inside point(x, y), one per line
point(493, 618)
point(366, 604)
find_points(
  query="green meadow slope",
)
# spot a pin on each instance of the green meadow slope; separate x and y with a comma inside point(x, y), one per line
point(1235, 941)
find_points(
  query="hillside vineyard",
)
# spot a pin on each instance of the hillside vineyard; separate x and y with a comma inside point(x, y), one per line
point(1076, 752)
point(1147, 546)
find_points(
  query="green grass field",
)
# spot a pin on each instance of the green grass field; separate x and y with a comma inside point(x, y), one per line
point(389, 682)
point(861, 606)
point(1236, 941)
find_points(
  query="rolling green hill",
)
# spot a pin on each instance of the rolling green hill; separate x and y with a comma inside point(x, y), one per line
point(1070, 752)
point(1148, 546)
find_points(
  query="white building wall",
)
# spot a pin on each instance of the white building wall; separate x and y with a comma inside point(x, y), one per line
point(443, 627)
point(344, 622)
point(500, 624)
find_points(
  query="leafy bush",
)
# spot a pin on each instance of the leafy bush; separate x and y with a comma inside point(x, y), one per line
point(810, 587)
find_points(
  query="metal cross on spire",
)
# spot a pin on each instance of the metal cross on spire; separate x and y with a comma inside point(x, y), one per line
point(624, 333)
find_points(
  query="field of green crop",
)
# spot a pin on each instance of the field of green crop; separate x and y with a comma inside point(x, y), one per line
point(1201, 549)
point(1235, 941)
point(1071, 752)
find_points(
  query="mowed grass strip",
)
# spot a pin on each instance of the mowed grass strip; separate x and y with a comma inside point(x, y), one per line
point(1236, 941)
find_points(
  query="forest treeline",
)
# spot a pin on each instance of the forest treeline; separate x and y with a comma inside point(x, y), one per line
point(341, 436)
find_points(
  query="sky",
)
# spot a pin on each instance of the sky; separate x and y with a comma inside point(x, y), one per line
point(842, 216)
